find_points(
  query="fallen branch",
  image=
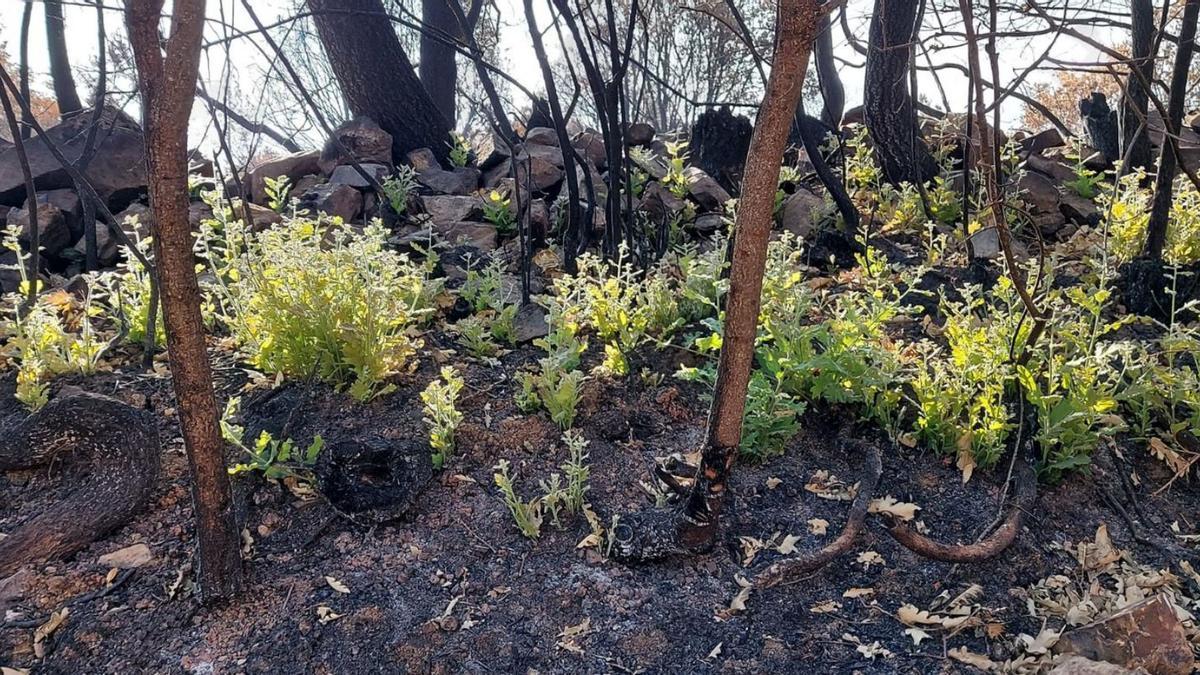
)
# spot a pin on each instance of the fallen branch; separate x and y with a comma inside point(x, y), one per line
point(790, 570)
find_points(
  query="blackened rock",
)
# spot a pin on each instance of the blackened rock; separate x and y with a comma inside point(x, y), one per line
point(373, 478)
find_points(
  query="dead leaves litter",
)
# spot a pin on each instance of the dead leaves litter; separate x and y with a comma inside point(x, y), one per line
point(828, 486)
point(900, 510)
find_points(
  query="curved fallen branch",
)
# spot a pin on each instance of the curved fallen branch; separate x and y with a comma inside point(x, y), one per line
point(791, 569)
point(993, 545)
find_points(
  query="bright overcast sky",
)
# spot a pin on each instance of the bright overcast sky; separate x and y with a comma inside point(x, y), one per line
point(515, 46)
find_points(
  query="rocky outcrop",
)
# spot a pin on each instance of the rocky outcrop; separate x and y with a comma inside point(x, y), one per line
point(359, 140)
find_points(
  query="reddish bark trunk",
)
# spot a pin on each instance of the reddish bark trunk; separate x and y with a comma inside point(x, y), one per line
point(168, 84)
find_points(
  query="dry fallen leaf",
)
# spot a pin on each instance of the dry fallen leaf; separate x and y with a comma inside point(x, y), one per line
point(964, 655)
point(901, 510)
point(828, 486)
point(336, 585)
point(738, 604)
point(868, 558)
point(917, 635)
point(858, 592)
point(773, 483)
point(716, 651)
point(818, 526)
point(47, 629)
point(788, 545)
point(326, 615)
point(569, 637)
point(966, 458)
point(825, 607)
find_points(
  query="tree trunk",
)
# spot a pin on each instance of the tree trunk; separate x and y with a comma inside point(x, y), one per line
point(888, 108)
point(797, 24)
point(376, 77)
point(60, 63)
point(23, 74)
point(1164, 181)
point(833, 94)
point(439, 70)
point(168, 83)
point(1135, 104)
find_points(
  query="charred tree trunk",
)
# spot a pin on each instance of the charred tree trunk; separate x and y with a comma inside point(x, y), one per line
point(438, 68)
point(375, 75)
point(1164, 181)
point(60, 63)
point(1135, 103)
point(888, 108)
point(23, 73)
point(167, 82)
point(833, 94)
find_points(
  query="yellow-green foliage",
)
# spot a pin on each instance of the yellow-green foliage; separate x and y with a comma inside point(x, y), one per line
point(441, 415)
point(127, 293)
point(54, 337)
point(1128, 217)
point(311, 298)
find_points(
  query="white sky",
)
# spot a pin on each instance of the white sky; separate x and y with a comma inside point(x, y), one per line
point(515, 47)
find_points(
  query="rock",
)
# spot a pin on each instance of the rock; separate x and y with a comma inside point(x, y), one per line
point(117, 170)
point(1053, 168)
point(542, 136)
point(707, 223)
point(261, 218)
point(1147, 634)
point(703, 188)
point(1077, 665)
point(1039, 193)
point(953, 128)
point(1042, 141)
point(348, 175)
point(422, 160)
point(1193, 121)
point(197, 212)
point(530, 323)
point(855, 115)
point(460, 181)
point(659, 202)
point(482, 236)
point(361, 140)
point(544, 166)
point(136, 221)
point(801, 211)
point(59, 217)
point(333, 199)
point(1079, 210)
point(591, 145)
point(653, 165)
point(490, 152)
point(496, 175)
point(539, 220)
point(984, 243)
point(450, 209)
point(294, 166)
point(1096, 161)
point(130, 557)
point(639, 133)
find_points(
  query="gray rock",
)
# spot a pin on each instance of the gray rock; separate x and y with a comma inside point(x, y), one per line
point(1079, 210)
point(422, 160)
point(801, 211)
point(703, 188)
point(294, 166)
point(59, 216)
point(136, 221)
point(117, 170)
point(639, 133)
point(490, 152)
point(659, 202)
point(460, 181)
point(478, 235)
point(362, 140)
point(333, 199)
point(348, 175)
point(446, 210)
point(984, 243)
point(1042, 141)
point(591, 145)
point(530, 323)
point(707, 223)
point(1039, 193)
point(1052, 168)
point(544, 165)
point(542, 136)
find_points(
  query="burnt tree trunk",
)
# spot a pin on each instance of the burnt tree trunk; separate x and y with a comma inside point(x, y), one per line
point(797, 24)
point(1135, 103)
point(438, 68)
point(833, 94)
point(23, 72)
point(167, 81)
point(375, 75)
point(1164, 181)
point(888, 107)
point(60, 64)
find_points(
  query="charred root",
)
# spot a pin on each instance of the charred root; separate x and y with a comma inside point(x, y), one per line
point(792, 569)
point(993, 545)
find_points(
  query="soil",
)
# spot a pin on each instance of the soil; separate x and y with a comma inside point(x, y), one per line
point(456, 588)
